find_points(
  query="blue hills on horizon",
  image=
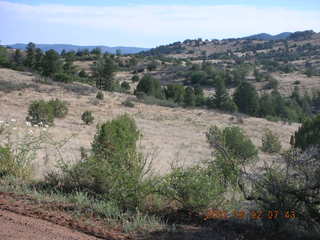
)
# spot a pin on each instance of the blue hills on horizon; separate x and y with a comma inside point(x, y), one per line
point(70, 47)
point(134, 50)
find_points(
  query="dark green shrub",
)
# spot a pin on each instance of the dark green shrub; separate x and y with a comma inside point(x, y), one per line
point(83, 74)
point(40, 112)
point(100, 95)
point(270, 142)
point(63, 77)
point(125, 86)
point(234, 141)
point(308, 134)
point(119, 135)
point(297, 82)
point(246, 98)
point(150, 86)
point(87, 117)
point(115, 169)
point(175, 92)
point(135, 78)
point(60, 108)
point(189, 97)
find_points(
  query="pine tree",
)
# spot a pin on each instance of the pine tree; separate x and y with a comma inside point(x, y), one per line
point(51, 63)
point(189, 97)
point(31, 52)
point(246, 98)
point(103, 72)
point(221, 95)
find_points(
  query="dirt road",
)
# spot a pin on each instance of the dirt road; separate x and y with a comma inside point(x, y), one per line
point(23, 218)
point(17, 227)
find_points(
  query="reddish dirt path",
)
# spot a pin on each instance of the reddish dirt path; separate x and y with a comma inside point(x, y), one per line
point(23, 218)
point(16, 227)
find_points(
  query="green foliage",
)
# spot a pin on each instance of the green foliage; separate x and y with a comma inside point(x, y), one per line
point(239, 144)
point(63, 77)
point(83, 74)
point(195, 188)
point(43, 113)
point(175, 92)
point(119, 135)
point(199, 77)
point(87, 117)
point(40, 112)
point(103, 73)
point(135, 78)
point(7, 164)
point(270, 142)
point(100, 95)
point(233, 140)
point(189, 97)
point(221, 95)
point(115, 169)
point(30, 60)
point(221, 99)
point(246, 98)
point(308, 134)
point(125, 86)
point(150, 86)
point(12, 165)
point(51, 63)
point(60, 108)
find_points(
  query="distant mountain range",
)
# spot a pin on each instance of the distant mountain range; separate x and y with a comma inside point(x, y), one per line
point(69, 47)
point(266, 36)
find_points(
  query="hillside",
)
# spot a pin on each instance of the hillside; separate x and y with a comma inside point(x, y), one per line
point(171, 134)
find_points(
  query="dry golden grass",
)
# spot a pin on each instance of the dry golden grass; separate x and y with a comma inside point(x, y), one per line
point(173, 133)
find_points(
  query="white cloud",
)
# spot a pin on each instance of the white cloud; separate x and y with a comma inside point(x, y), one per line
point(152, 25)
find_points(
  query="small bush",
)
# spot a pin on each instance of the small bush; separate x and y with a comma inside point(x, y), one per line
point(14, 165)
point(40, 112)
point(270, 142)
point(60, 108)
point(296, 82)
point(233, 139)
point(83, 74)
point(114, 171)
point(125, 86)
point(100, 95)
point(135, 78)
point(128, 103)
point(63, 77)
point(308, 134)
point(194, 188)
point(87, 117)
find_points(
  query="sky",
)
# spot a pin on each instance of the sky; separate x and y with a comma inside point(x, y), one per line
point(143, 23)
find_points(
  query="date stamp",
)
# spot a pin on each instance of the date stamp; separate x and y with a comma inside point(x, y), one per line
point(256, 215)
